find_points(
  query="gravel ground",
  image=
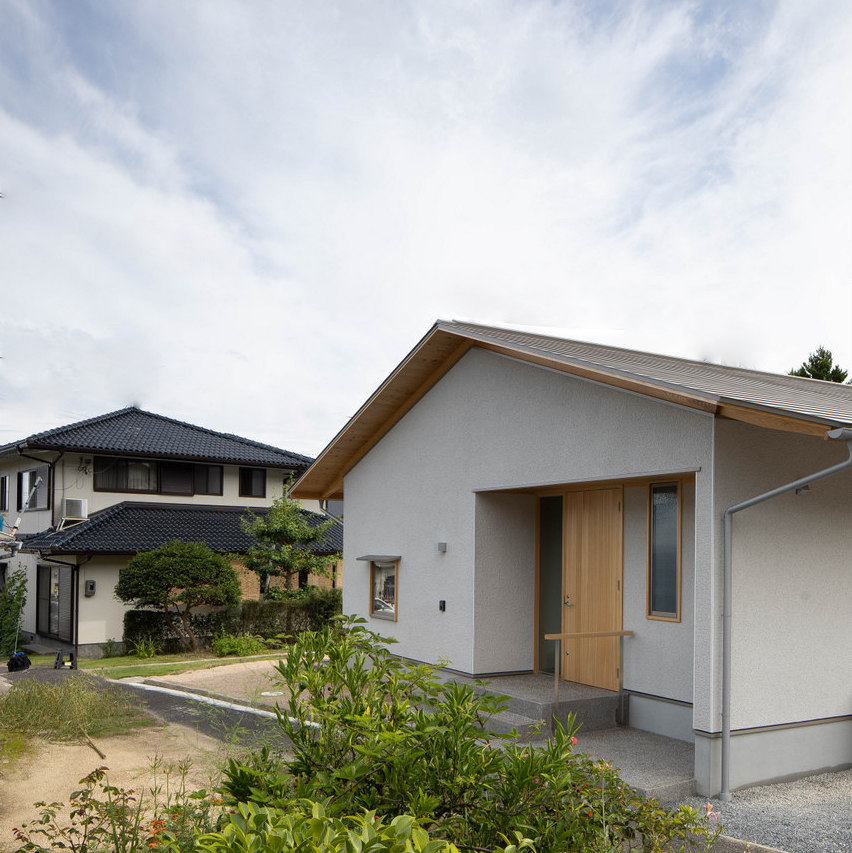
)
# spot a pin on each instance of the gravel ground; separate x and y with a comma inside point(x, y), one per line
point(811, 815)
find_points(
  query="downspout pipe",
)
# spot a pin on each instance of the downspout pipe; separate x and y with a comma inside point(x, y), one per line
point(727, 594)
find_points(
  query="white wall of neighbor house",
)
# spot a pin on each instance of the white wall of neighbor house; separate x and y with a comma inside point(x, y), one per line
point(32, 520)
point(492, 423)
point(75, 479)
point(792, 584)
point(101, 616)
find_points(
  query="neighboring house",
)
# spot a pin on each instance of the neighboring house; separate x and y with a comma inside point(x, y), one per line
point(111, 486)
point(501, 486)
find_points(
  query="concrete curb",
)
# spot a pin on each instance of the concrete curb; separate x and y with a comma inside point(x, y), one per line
point(727, 844)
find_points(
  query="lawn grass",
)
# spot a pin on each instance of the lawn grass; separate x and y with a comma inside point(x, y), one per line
point(129, 666)
point(72, 709)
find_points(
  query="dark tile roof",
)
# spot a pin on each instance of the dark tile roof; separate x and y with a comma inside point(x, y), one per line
point(133, 432)
point(129, 527)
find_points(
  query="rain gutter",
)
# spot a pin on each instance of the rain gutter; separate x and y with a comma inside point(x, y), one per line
point(844, 434)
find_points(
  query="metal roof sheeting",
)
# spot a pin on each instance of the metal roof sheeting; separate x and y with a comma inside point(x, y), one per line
point(794, 395)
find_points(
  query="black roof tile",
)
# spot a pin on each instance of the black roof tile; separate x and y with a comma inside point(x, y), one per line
point(129, 527)
point(135, 432)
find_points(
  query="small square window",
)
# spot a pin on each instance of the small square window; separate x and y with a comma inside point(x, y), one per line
point(252, 482)
point(32, 486)
point(383, 590)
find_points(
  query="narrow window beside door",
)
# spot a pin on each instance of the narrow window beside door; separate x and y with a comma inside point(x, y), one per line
point(664, 552)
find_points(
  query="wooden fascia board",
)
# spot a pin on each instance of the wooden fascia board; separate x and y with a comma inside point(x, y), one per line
point(386, 407)
point(772, 420)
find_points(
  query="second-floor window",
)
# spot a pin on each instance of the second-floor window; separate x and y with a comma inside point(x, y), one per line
point(150, 477)
point(4, 493)
point(33, 481)
point(252, 483)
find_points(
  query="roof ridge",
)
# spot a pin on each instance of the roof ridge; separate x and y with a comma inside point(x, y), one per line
point(128, 409)
point(465, 325)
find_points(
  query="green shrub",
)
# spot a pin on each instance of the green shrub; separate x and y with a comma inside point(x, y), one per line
point(372, 732)
point(101, 817)
point(13, 596)
point(147, 648)
point(308, 829)
point(237, 644)
point(112, 649)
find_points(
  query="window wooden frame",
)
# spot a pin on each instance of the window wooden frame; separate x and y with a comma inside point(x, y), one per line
point(374, 611)
point(650, 613)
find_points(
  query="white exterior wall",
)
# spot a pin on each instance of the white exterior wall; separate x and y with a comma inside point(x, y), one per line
point(71, 482)
point(101, 616)
point(658, 660)
point(494, 423)
point(792, 578)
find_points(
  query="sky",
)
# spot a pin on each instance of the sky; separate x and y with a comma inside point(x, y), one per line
point(244, 215)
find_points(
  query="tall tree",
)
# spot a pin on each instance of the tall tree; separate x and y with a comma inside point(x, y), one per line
point(290, 541)
point(176, 578)
point(820, 365)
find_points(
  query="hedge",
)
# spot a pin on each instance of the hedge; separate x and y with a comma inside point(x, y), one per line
point(265, 619)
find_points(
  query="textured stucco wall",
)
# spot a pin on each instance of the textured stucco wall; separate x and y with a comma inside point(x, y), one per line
point(492, 423)
point(659, 658)
point(101, 616)
point(504, 615)
point(792, 571)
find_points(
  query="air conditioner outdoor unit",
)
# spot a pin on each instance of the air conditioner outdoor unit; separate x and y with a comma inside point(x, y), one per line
point(75, 508)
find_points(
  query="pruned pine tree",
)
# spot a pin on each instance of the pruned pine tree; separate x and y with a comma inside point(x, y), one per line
point(290, 542)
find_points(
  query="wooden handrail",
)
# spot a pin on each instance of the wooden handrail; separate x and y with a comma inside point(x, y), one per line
point(588, 634)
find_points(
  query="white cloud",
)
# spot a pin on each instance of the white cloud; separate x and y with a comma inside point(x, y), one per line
point(244, 215)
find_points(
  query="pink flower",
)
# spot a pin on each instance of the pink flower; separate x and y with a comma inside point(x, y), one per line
point(708, 811)
point(573, 741)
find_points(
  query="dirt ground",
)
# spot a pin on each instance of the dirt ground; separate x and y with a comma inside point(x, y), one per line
point(49, 772)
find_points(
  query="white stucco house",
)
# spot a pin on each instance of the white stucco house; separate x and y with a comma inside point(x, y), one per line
point(104, 489)
point(502, 486)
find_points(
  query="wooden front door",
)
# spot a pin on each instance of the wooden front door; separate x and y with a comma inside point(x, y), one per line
point(591, 585)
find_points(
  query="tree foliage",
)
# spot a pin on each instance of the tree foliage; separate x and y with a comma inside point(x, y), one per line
point(176, 578)
point(820, 365)
point(373, 733)
point(290, 541)
point(13, 597)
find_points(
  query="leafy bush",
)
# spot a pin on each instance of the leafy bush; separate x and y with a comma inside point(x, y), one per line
point(372, 732)
point(309, 829)
point(13, 596)
point(239, 644)
point(146, 647)
point(267, 618)
point(112, 649)
point(177, 578)
point(102, 817)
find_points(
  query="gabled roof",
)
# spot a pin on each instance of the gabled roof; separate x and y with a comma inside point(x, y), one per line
point(130, 527)
point(133, 432)
point(791, 403)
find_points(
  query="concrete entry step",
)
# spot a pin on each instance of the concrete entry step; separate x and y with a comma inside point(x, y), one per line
point(655, 765)
point(532, 695)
